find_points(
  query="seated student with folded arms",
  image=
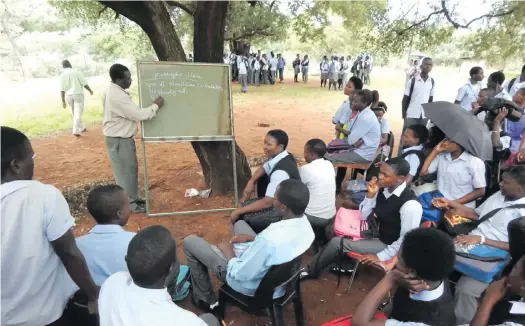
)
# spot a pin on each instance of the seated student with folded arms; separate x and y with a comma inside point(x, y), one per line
point(281, 166)
point(396, 209)
point(318, 175)
point(492, 232)
point(364, 135)
point(243, 270)
point(460, 175)
point(412, 142)
point(422, 294)
point(139, 297)
point(105, 245)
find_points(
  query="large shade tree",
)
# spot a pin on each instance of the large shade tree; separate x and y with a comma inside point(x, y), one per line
point(208, 39)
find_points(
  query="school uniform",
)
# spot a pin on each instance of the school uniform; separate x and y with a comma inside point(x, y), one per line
point(431, 307)
point(273, 69)
point(365, 127)
point(296, 69)
point(423, 90)
point(504, 95)
point(510, 311)
point(415, 158)
point(72, 83)
point(243, 72)
point(346, 72)
point(281, 167)
point(324, 70)
point(456, 178)
point(342, 115)
point(256, 72)
point(385, 129)
point(319, 177)
point(120, 125)
point(468, 94)
point(305, 65)
point(250, 70)
point(280, 67)
point(264, 70)
point(123, 303)
point(515, 86)
point(468, 290)
point(35, 283)
point(398, 212)
point(333, 74)
point(280, 243)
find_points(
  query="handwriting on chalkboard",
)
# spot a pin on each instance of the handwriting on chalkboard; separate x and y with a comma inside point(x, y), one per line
point(175, 83)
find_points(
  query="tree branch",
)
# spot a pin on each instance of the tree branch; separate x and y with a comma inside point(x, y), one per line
point(449, 18)
point(257, 32)
point(188, 10)
point(272, 4)
point(458, 25)
point(101, 11)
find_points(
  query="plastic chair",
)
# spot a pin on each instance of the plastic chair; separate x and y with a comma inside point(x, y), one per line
point(386, 266)
point(285, 275)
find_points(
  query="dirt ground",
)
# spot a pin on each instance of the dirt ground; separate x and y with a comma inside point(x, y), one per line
point(63, 160)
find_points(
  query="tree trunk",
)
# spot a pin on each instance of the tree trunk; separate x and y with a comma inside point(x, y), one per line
point(16, 49)
point(153, 17)
point(240, 46)
point(208, 46)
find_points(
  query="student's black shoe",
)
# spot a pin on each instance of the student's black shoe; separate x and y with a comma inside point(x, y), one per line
point(340, 271)
point(306, 276)
point(204, 306)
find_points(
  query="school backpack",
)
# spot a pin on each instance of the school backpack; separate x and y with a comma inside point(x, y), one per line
point(181, 288)
point(413, 83)
point(511, 83)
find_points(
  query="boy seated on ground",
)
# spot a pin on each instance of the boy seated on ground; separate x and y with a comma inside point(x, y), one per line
point(412, 142)
point(460, 175)
point(259, 213)
point(106, 244)
point(422, 294)
point(492, 232)
point(319, 176)
point(139, 297)
point(396, 209)
point(243, 270)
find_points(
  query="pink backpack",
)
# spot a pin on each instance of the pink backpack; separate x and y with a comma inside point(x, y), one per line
point(348, 223)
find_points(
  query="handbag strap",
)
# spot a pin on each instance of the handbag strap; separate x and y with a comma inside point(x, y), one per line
point(495, 211)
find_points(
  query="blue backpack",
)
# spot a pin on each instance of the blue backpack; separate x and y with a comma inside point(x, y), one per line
point(180, 289)
point(430, 213)
point(481, 262)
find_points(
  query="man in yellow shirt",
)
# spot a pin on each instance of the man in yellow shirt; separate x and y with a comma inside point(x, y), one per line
point(72, 84)
point(121, 117)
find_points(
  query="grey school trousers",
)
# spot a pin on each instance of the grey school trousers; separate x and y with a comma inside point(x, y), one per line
point(202, 257)
point(123, 156)
point(243, 79)
point(305, 73)
point(337, 246)
point(468, 290)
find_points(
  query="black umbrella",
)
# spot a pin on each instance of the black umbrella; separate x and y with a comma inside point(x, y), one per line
point(461, 127)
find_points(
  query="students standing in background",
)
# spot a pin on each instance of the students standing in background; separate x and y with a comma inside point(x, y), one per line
point(72, 84)
point(256, 70)
point(281, 63)
point(264, 68)
point(323, 66)
point(296, 64)
point(273, 68)
point(242, 68)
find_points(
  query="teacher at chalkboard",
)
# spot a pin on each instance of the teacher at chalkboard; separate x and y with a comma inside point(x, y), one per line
point(121, 117)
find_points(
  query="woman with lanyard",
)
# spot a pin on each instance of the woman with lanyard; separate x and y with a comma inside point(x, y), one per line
point(468, 93)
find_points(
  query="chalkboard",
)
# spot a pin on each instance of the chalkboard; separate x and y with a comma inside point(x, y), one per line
point(196, 96)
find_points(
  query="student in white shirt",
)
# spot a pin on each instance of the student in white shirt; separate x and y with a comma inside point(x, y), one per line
point(412, 141)
point(323, 66)
point(39, 253)
point(422, 92)
point(139, 297)
point(493, 232)
point(460, 175)
point(274, 62)
point(305, 66)
point(347, 65)
point(333, 73)
point(243, 260)
point(425, 260)
point(380, 110)
point(318, 175)
point(514, 84)
point(242, 65)
point(468, 93)
point(343, 115)
point(256, 71)
point(259, 213)
point(72, 84)
point(397, 210)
